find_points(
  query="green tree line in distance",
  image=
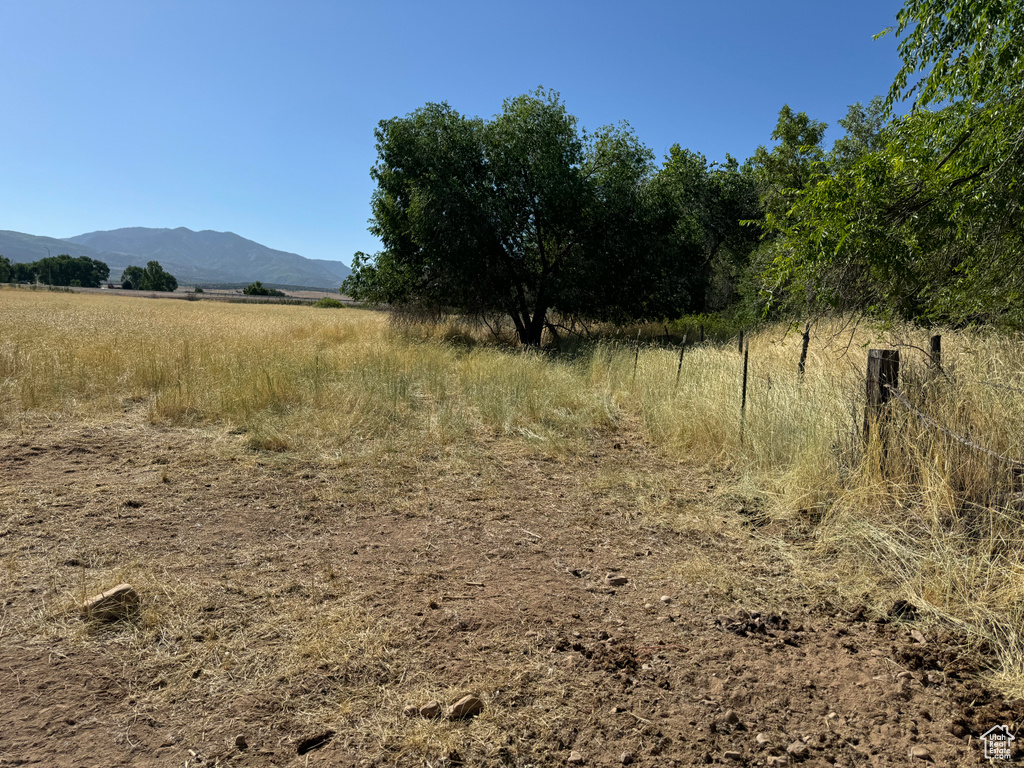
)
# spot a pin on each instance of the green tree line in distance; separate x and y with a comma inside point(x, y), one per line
point(60, 270)
point(63, 270)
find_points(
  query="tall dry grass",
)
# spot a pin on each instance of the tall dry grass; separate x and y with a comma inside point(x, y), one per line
point(939, 526)
point(923, 517)
point(282, 374)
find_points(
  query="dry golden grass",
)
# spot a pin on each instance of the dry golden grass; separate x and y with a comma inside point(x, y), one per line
point(940, 527)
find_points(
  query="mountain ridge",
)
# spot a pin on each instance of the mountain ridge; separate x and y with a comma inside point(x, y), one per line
point(206, 256)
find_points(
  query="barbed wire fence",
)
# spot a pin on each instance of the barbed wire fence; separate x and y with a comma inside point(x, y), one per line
point(882, 385)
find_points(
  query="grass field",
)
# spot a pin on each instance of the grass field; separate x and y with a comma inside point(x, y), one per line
point(224, 417)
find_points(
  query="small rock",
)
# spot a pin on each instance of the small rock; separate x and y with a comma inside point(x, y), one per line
point(733, 755)
point(411, 711)
point(779, 760)
point(731, 717)
point(467, 706)
point(762, 738)
point(575, 758)
point(921, 753)
point(648, 606)
point(612, 580)
point(798, 750)
point(116, 603)
point(626, 758)
point(918, 636)
point(666, 599)
point(241, 742)
point(430, 710)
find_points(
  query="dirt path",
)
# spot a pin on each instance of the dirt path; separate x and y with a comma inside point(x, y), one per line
point(294, 607)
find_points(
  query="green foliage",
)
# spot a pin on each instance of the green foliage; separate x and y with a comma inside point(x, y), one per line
point(864, 127)
point(328, 303)
point(258, 289)
point(131, 278)
point(708, 203)
point(785, 170)
point(6, 273)
point(152, 278)
point(59, 270)
point(197, 289)
point(920, 218)
point(522, 214)
point(958, 50)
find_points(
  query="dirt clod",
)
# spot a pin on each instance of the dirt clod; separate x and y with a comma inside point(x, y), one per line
point(467, 706)
point(115, 604)
point(798, 750)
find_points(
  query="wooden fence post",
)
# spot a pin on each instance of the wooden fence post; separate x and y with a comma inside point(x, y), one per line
point(803, 352)
point(636, 357)
point(935, 351)
point(743, 397)
point(883, 373)
point(702, 333)
point(741, 341)
point(679, 370)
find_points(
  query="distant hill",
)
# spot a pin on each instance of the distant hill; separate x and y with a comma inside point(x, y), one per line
point(23, 248)
point(192, 257)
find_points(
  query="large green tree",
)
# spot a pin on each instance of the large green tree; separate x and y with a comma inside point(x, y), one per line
point(521, 214)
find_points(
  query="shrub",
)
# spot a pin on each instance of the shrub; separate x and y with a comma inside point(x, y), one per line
point(329, 303)
point(259, 289)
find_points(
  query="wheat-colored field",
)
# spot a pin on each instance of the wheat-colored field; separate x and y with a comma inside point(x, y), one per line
point(923, 518)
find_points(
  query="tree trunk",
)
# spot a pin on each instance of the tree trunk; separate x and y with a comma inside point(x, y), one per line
point(531, 330)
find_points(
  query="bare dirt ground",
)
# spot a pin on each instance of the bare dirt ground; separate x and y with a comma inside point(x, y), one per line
point(293, 606)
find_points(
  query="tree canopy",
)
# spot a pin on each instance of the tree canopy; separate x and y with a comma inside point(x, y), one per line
point(259, 289)
point(920, 217)
point(522, 214)
point(60, 270)
point(917, 215)
point(152, 278)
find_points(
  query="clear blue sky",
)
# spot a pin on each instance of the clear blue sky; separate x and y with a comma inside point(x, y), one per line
point(257, 116)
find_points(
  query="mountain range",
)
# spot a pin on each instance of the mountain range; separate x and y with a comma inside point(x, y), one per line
point(194, 258)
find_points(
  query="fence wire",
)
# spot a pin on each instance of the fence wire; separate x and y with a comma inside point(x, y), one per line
point(923, 417)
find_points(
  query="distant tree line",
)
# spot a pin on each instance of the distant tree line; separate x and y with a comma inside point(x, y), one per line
point(63, 270)
point(917, 217)
point(60, 270)
point(152, 278)
point(259, 289)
